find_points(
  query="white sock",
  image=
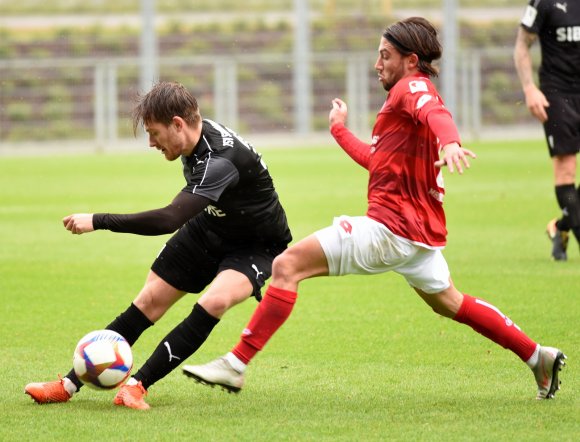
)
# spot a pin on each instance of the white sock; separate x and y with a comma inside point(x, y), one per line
point(69, 386)
point(236, 364)
point(533, 361)
point(132, 381)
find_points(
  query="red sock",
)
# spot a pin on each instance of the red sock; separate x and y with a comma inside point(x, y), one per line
point(272, 312)
point(487, 320)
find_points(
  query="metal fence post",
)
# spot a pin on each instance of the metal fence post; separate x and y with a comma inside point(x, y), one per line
point(99, 106)
point(476, 94)
point(226, 92)
point(111, 104)
point(302, 76)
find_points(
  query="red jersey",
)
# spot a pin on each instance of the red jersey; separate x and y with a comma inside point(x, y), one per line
point(405, 190)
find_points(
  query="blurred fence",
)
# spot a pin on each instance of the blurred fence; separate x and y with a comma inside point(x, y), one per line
point(89, 100)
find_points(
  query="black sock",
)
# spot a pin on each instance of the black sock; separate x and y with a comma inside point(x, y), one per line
point(569, 201)
point(576, 229)
point(129, 324)
point(177, 346)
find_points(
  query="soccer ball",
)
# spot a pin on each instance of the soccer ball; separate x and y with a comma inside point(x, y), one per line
point(103, 359)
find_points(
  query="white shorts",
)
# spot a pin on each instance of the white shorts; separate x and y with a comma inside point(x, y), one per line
point(362, 246)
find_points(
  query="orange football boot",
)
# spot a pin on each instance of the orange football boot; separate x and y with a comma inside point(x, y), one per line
point(132, 396)
point(48, 392)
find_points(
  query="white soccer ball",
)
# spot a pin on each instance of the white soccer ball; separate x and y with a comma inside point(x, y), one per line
point(103, 359)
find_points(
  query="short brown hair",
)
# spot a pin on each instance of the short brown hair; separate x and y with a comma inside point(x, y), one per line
point(163, 102)
point(416, 35)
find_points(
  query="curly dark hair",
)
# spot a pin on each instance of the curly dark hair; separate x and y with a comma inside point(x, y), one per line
point(416, 35)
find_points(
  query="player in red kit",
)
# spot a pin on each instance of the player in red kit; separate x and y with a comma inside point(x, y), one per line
point(403, 231)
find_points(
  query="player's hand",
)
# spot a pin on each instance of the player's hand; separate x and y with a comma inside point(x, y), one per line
point(79, 223)
point(537, 103)
point(455, 156)
point(338, 112)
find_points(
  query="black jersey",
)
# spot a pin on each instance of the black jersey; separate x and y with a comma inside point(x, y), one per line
point(231, 174)
point(557, 24)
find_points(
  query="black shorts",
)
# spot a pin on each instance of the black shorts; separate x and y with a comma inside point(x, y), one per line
point(563, 126)
point(192, 258)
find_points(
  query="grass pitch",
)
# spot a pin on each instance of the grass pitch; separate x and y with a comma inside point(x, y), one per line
point(361, 358)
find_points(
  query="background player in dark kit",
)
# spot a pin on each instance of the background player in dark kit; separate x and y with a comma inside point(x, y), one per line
point(556, 103)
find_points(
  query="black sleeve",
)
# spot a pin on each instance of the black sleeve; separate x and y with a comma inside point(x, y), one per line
point(154, 222)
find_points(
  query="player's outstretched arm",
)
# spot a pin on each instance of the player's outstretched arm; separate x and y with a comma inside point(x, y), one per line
point(150, 222)
point(455, 156)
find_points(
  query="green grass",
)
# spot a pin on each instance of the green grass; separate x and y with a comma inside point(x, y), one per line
point(361, 358)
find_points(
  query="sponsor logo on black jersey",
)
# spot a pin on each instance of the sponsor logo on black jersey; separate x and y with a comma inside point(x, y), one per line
point(568, 33)
point(562, 6)
point(214, 211)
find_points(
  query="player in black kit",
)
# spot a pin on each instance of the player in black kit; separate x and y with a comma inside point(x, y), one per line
point(556, 103)
point(231, 226)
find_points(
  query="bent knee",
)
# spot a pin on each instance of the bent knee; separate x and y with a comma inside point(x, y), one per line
point(285, 265)
point(218, 305)
point(156, 298)
point(147, 302)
